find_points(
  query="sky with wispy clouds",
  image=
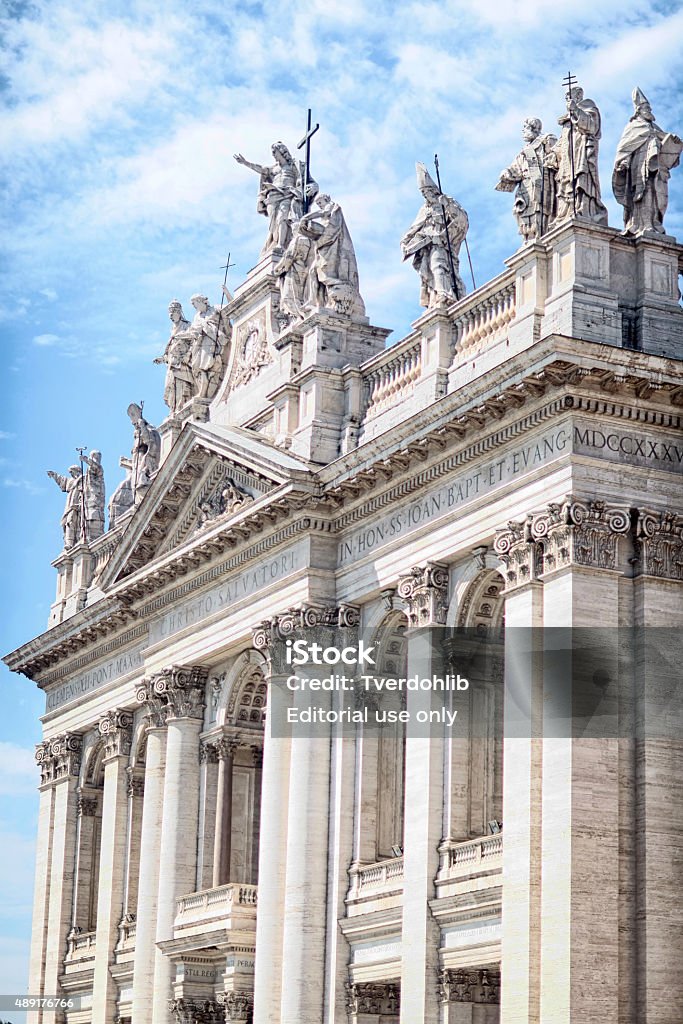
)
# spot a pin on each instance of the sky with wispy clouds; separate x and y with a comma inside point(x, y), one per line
point(119, 125)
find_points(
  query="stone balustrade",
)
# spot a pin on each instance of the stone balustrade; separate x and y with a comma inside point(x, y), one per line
point(225, 906)
point(482, 318)
point(375, 880)
point(390, 377)
point(458, 860)
point(81, 946)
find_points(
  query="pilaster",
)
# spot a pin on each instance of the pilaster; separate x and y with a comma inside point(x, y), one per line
point(116, 730)
point(425, 593)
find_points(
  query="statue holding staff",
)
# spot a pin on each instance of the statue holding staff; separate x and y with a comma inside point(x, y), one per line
point(642, 167)
point(440, 221)
point(94, 495)
point(575, 160)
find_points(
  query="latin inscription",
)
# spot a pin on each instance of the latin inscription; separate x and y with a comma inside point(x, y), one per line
point(616, 445)
point(236, 589)
point(94, 679)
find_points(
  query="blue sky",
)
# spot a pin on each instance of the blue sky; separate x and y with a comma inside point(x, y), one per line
point(121, 193)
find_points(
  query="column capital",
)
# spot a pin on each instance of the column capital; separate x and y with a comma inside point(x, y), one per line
point(271, 634)
point(372, 998)
point(425, 592)
point(479, 986)
point(207, 752)
point(59, 758)
point(237, 1006)
point(116, 729)
point(225, 746)
point(517, 551)
point(579, 531)
point(174, 692)
point(194, 1011)
point(659, 544)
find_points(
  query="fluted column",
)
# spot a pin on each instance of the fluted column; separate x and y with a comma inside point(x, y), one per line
point(150, 851)
point(63, 765)
point(183, 688)
point(425, 592)
point(225, 749)
point(116, 729)
point(273, 836)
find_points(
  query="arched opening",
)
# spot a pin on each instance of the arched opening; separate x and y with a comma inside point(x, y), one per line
point(477, 760)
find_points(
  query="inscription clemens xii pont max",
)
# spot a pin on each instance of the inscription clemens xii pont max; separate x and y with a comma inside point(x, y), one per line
point(618, 445)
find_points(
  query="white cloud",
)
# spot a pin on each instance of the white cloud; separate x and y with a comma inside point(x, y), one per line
point(46, 340)
point(6, 435)
point(49, 293)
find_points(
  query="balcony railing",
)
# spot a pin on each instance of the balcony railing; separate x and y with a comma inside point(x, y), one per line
point(81, 945)
point(471, 857)
point(374, 880)
point(226, 906)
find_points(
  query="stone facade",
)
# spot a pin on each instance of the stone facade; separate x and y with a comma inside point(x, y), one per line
point(517, 458)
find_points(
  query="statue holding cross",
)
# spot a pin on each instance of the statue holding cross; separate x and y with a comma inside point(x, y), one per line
point(284, 188)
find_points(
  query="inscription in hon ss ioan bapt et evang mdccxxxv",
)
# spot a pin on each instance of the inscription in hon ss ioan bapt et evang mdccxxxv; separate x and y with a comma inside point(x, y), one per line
point(624, 446)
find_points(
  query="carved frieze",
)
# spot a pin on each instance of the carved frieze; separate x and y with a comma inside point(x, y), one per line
point(59, 757)
point(116, 728)
point(425, 592)
point(477, 986)
point(659, 544)
point(370, 997)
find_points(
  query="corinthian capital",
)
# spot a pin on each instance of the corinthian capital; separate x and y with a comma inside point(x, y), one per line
point(425, 592)
point(517, 551)
point(59, 757)
point(116, 727)
point(580, 532)
point(175, 692)
point(659, 547)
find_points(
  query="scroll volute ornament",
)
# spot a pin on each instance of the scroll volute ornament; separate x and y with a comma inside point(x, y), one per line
point(425, 592)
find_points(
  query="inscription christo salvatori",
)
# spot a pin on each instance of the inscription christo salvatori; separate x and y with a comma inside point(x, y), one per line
point(238, 587)
point(622, 446)
point(94, 678)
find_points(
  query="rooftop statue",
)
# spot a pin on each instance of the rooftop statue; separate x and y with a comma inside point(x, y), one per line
point(179, 384)
point(334, 274)
point(642, 168)
point(122, 499)
point(94, 495)
point(280, 196)
point(146, 450)
point(533, 181)
point(575, 161)
point(71, 521)
point(318, 269)
point(209, 335)
point(426, 242)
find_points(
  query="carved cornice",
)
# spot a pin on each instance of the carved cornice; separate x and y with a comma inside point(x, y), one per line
point(116, 728)
point(425, 593)
point(659, 544)
point(373, 998)
point(480, 986)
point(175, 692)
point(59, 758)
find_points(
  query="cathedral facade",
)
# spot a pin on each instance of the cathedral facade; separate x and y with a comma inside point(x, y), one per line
point(515, 461)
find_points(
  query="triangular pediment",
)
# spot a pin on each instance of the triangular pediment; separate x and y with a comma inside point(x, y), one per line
point(213, 475)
